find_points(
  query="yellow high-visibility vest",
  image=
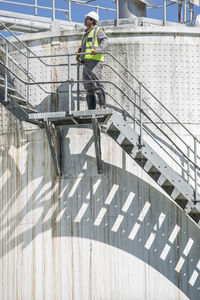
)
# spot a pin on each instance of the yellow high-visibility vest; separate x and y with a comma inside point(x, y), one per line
point(92, 44)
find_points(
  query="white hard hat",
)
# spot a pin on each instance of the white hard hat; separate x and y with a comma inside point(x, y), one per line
point(93, 15)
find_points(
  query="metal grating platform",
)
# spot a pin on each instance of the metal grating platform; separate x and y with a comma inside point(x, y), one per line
point(77, 118)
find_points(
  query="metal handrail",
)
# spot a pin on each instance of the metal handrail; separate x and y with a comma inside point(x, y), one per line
point(122, 78)
point(68, 11)
point(53, 8)
point(194, 163)
point(146, 129)
point(130, 73)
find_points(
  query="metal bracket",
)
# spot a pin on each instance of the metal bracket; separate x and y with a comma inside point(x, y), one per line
point(54, 153)
point(97, 143)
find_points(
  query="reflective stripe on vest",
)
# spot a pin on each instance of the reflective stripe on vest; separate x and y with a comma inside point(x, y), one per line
point(92, 44)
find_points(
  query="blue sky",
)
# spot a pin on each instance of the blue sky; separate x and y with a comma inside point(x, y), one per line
point(78, 12)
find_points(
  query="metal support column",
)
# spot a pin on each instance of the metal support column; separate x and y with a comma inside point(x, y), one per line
point(97, 143)
point(54, 155)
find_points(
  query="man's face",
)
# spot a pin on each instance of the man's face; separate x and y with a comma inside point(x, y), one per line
point(88, 21)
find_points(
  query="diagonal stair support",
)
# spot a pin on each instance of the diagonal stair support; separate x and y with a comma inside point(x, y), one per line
point(54, 154)
point(97, 143)
point(153, 164)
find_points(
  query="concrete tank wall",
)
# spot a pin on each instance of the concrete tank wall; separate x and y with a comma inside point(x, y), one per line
point(90, 236)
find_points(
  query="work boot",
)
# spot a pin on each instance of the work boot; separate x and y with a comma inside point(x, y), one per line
point(91, 101)
point(102, 100)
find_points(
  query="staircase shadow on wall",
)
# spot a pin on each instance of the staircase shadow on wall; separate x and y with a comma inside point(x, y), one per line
point(73, 210)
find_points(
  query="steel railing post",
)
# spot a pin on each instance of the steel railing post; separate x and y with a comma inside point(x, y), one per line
point(78, 86)
point(53, 10)
point(135, 100)
point(164, 12)
point(117, 13)
point(28, 78)
point(141, 116)
point(70, 85)
point(195, 170)
point(35, 7)
point(6, 75)
point(185, 7)
point(191, 13)
point(69, 10)
point(188, 164)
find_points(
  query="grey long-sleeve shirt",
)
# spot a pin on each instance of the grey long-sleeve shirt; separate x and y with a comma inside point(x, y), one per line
point(102, 40)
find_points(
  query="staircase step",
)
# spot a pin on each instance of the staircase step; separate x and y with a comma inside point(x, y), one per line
point(151, 162)
point(18, 99)
point(148, 166)
point(10, 89)
point(28, 109)
point(161, 180)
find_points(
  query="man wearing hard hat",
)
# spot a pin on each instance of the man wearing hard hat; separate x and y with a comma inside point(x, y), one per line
point(93, 43)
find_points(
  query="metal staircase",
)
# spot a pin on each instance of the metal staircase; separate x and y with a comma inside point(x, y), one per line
point(130, 139)
point(154, 165)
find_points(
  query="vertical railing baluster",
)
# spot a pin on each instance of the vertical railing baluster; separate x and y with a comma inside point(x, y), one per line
point(6, 75)
point(78, 86)
point(35, 7)
point(69, 11)
point(135, 100)
point(117, 13)
point(70, 86)
point(53, 10)
point(141, 116)
point(195, 170)
point(164, 12)
point(188, 164)
point(28, 78)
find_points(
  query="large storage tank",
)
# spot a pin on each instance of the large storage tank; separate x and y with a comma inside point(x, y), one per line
point(88, 236)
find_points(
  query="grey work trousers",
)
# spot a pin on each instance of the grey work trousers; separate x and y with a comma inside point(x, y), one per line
point(92, 70)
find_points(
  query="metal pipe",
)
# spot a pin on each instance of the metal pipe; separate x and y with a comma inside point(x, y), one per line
point(164, 12)
point(6, 75)
point(70, 84)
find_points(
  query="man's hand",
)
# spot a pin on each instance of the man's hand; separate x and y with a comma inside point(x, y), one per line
point(78, 56)
point(94, 52)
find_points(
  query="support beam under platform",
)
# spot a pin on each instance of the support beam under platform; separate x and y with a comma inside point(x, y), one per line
point(54, 153)
point(97, 143)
